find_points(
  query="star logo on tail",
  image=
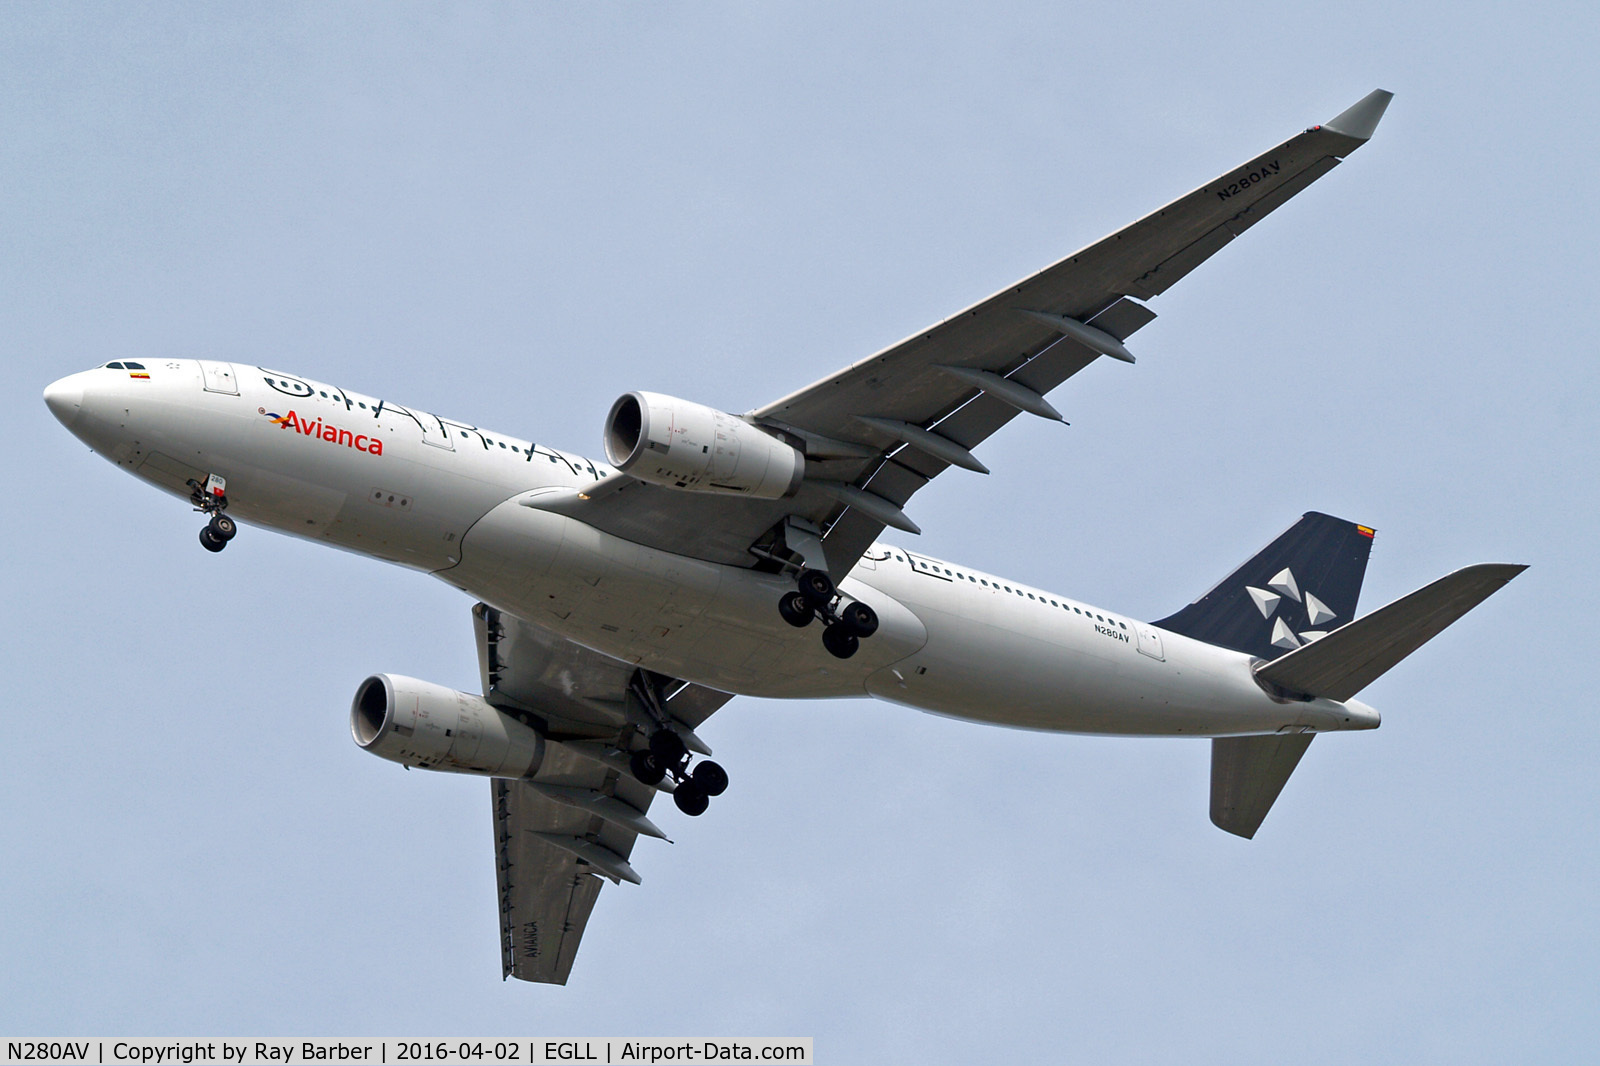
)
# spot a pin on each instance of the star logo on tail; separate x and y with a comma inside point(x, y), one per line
point(1296, 616)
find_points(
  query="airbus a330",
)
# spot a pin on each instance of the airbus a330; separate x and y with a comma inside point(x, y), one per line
point(621, 603)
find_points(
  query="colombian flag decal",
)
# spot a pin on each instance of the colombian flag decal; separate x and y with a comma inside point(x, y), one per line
point(1366, 531)
point(136, 374)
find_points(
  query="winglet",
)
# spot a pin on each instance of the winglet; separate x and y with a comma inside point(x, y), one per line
point(1361, 120)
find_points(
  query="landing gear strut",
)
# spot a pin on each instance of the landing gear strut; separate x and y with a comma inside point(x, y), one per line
point(211, 499)
point(844, 626)
point(667, 755)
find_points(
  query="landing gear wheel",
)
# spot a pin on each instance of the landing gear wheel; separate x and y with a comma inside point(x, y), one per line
point(667, 748)
point(210, 541)
point(860, 618)
point(712, 778)
point(816, 587)
point(795, 610)
point(223, 527)
point(691, 798)
point(840, 641)
point(645, 768)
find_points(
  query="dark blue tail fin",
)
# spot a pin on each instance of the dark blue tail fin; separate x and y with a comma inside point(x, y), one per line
point(1297, 588)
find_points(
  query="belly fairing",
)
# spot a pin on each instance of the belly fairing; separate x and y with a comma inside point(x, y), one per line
point(704, 622)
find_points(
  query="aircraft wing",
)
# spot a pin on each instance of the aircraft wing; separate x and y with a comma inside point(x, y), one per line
point(576, 821)
point(877, 431)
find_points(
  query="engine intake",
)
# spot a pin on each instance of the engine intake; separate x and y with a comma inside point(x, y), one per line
point(431, 727)
point(683, 445)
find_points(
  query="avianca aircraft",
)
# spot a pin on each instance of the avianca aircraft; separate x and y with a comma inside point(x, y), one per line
point(623, 602)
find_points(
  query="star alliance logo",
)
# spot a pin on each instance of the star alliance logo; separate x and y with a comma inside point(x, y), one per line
point(1284, 587)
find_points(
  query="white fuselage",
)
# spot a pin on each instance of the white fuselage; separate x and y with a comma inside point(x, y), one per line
point(451, 499)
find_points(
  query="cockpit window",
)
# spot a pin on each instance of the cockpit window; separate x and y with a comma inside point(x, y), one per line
point(133, 366)
point(113, 366)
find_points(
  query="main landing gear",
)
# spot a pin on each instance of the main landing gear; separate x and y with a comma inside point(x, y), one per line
point(667, 754)
point(844, 627)
point(212, 499)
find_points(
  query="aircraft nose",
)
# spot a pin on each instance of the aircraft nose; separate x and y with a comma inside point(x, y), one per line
point(65, 399)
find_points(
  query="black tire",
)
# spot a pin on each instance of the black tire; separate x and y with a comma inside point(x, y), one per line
point(840, 642)
point(210, 541)
point(691, 798)
point(224, 527)
point(816, 587)
point(711, 778)
point(795, 610)
point(645, 768)
point(667, 748)
point(861, 619)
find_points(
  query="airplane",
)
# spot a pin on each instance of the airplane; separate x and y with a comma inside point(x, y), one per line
point(621, 603)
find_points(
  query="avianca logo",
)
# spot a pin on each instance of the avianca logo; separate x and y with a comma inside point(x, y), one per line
point(328, 432)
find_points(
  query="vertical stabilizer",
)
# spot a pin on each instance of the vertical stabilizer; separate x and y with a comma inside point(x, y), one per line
point(1294, 591)
point(1289, 595)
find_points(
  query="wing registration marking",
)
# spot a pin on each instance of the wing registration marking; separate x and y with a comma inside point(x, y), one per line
point(1269, 170)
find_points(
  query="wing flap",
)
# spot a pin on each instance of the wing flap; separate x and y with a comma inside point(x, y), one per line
point(546, 894)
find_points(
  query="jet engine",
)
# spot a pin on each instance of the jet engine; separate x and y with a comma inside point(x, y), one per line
point(683, 445)
point(415, 723)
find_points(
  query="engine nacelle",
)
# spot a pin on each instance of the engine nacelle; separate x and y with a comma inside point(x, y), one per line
point(415, 723)
point(683, 445)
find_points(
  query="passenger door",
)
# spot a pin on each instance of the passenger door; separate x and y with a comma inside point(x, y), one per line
point(434, 431)
point(219, 377)
point(926, 568)
point(1150, 640)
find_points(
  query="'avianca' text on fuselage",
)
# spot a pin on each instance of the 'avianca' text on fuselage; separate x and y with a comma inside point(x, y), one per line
point(328, 432)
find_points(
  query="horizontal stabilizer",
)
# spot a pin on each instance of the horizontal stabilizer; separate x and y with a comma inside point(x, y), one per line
point(1247, 773)
point(1353, 656)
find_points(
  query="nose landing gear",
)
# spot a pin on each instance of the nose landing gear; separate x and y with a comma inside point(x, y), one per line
point(844, 627)
point(212, 499)
point(215, 534)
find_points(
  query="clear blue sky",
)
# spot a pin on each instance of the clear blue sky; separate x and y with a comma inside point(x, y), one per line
point(513, 214)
